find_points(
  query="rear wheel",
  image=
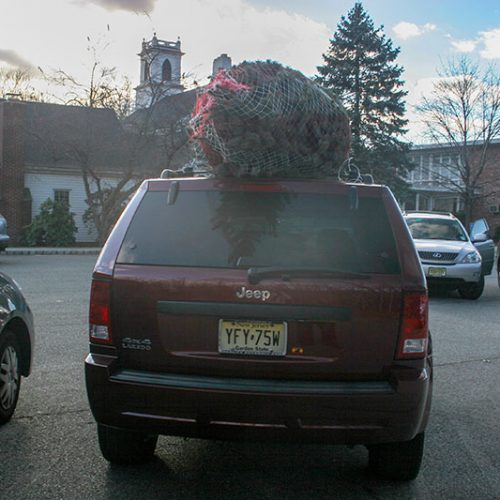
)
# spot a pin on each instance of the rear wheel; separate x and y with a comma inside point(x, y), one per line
point(121, 446)
point(397, 461)
point(472, 291)
point(10, 377)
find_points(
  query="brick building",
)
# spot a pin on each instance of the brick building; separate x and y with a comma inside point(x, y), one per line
point(436, 183)
point(44, 149)
point(12, 203)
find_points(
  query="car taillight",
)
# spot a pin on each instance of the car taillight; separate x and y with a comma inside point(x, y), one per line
point(99, 314)
point(414, 333)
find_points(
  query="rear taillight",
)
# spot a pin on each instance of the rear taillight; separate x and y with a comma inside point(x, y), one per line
point(99, 315)
point(414, 333)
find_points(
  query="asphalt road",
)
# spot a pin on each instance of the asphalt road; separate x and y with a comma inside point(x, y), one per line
point(49, 449)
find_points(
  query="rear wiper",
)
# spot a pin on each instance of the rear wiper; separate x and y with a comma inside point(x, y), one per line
point(255, 274)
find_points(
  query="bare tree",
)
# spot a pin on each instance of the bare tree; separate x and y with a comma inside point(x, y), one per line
point(18, 83)
point(95, 140)
point(462, 116)
point(103, 88)
point(113, 151)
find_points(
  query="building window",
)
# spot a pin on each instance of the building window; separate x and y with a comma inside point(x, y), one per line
point(455, 167)
point(417, 164)
point(435, 171)
point(146, 71)
point(166, 71)
point(421, 169)
point(62, 196)
point(445, 168)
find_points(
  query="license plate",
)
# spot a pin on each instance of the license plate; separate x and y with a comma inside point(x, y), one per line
point(437, 272)
point(255, 338)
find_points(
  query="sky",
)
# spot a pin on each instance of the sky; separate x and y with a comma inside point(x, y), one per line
point(55, 34)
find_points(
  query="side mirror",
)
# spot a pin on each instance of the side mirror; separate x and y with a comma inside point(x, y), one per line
point(478, 238)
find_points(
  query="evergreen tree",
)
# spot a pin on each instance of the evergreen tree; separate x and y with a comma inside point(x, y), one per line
point(359, 67)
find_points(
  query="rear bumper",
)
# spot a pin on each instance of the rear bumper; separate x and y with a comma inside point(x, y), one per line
point(253, 409)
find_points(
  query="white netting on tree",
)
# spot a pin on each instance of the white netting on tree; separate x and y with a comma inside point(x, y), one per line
point(262, 119)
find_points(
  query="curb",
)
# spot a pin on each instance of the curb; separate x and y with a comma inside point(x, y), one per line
point(52, 251)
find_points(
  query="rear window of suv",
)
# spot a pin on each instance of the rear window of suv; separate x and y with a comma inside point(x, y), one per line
point(244, 229)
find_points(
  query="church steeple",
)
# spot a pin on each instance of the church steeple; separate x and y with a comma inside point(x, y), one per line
point(160, 71)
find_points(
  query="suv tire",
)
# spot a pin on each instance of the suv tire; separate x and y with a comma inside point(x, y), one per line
point(121, 446)
point(472, 291)
point(10, 376)
point(397, 461)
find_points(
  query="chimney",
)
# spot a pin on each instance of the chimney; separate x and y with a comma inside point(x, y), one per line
point(221, 62)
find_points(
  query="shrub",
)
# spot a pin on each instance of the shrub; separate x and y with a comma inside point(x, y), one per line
point(53, 226)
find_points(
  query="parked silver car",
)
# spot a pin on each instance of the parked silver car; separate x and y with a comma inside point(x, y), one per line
point(449, 256)
point(4, 237)
point(16, 344)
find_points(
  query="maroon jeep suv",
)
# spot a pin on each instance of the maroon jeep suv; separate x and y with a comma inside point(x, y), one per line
point(261, 310)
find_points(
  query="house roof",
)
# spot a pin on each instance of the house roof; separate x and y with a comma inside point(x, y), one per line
point(166, 111)
point(165, 124)
point(61, 138)
point(59, 134)
point(441, 146)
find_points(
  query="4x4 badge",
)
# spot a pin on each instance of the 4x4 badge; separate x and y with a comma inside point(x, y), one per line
point(137, 344)
point(245, 293)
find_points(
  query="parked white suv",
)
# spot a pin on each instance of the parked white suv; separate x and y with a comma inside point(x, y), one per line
point(448, 255)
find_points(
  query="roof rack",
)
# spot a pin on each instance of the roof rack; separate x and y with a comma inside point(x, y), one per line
point(183, 172)
point(434, 212)
point(350, 172)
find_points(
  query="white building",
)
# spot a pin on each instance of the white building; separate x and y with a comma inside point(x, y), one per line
point(435, 179)
point(160, 71)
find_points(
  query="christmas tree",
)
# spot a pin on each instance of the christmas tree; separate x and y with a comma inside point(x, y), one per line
point(360, 69)
point(263, 119)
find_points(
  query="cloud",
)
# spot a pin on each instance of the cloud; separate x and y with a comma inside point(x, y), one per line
point(491, 41)
point(207, 28)
point(488, 40)
point(127, 5)
point(465, 46)
point(405, 30)
point(423, 87)
point(243, 31)
point(14, 59)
